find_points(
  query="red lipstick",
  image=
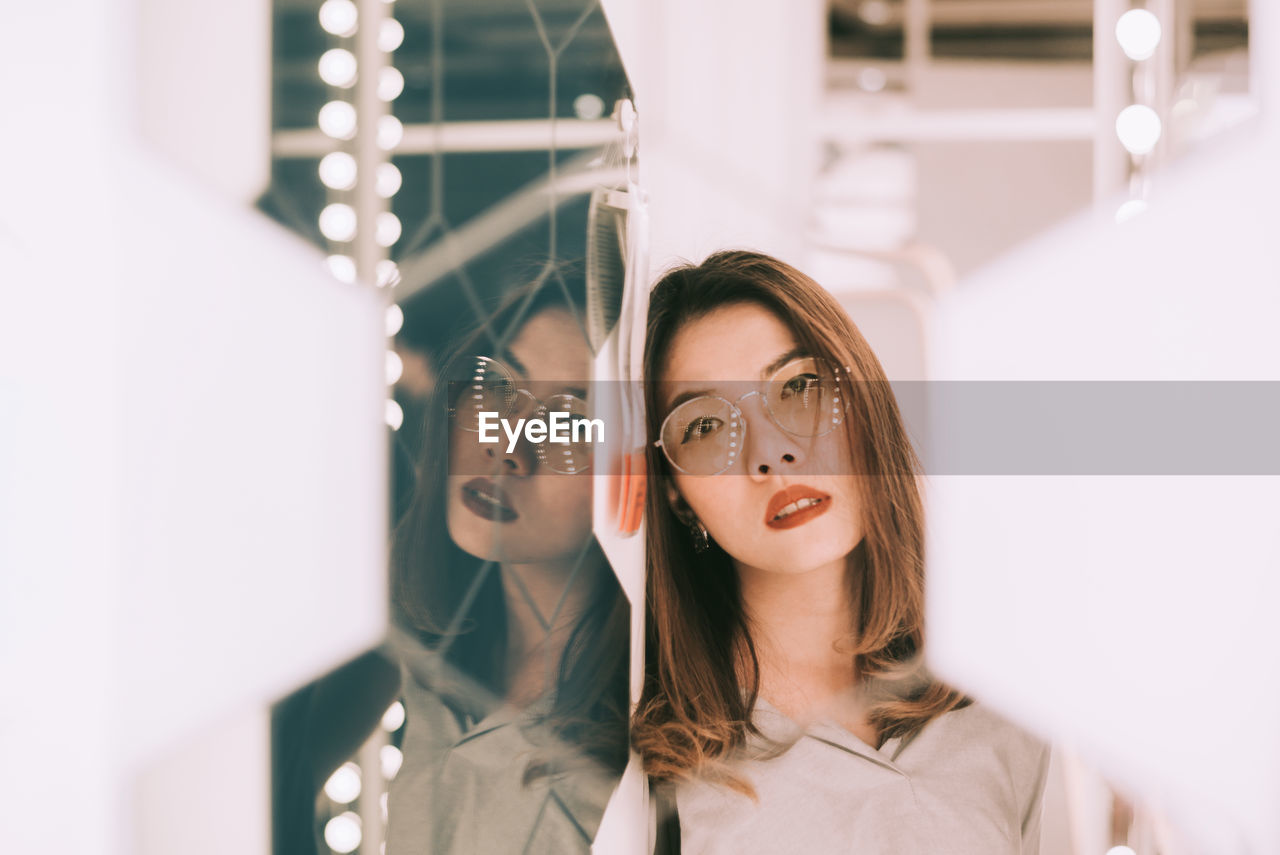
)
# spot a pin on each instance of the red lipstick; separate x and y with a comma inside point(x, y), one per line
point(487, 500)
point(795, 505)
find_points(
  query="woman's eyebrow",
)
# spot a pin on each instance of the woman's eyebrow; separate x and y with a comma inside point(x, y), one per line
point(510, 358)
point(793, 353)
point(689, 395)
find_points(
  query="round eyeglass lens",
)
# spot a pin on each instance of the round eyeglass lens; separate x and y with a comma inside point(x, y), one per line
point(804, 398)
point(488, 388)
point(702, 436)
point(570, 457)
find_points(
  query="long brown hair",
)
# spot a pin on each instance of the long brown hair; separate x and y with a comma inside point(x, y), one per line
point(693, 711)
point(454, 602)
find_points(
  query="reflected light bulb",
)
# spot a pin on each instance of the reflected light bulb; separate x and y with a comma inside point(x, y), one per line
point(337, 67)
point(395, 418)
point(387, 230)
point(387, 273)
point(1121, 850)
point(342, 833)
point(1138, 32)
point(343, 268)
point(395, 367)
point(338, 170)
point(588, 106)
point(389, 754)
point(395, 321)
point(339, 17)
point(388, 180)
point(390, 35)
point(343, 785)
point(390, 83)
point(390, 132)
point(338, 120)
point(1138, 127)
point(338, 222)
point(393, 718)
point(1130, 209)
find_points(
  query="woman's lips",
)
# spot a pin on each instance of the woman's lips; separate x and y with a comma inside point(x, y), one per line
point(795, 505)
point(486, 499)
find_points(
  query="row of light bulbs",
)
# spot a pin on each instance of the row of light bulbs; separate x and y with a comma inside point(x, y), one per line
point(339, 172)
point(1138, 125)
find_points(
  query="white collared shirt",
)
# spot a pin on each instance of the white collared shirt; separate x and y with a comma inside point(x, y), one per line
point(969, 783)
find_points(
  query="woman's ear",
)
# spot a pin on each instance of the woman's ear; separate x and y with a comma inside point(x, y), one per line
point(678, 505)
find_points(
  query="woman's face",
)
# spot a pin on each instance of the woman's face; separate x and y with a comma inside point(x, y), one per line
point(745, 509)
point(507, 506)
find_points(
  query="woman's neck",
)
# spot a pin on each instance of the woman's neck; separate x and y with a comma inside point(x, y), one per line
point(544, 600)
point(801, 624)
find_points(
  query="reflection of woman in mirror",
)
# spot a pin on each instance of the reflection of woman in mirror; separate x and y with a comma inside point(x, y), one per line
point(512, 627)
point(785, 705)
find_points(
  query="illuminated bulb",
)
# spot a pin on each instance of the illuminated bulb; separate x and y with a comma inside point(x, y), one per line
point(872, 80)
point(390, 83)
point(1130, 209)
point(387, 231)
point(338, 222)
point(1138, 127)
point(343, 785)
point(389, 754)
point(588, 106)
point(343, 268)
point(338, 120)
point(1138, 32)
point(395, 367)
point(875, 12)
point(390, 132)
point(388, 180)
point(387, 273)
point(339, 17)
point(390, 35)
point(395, 418)
point(395, 321)
point(1121, 850)
point(393, 718)
point(338, 170)
point(338, 68)
point(342, 833)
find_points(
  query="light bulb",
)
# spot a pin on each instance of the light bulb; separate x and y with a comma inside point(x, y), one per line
point(395, 418)
point(337, 67)
point(1138, 32)
point(588, 106)
point(387, 231)
point(390, 132)
point(343, 785)
point(390, 35)
point(393, 718)
point(343, 268)
point(342, 833)
point(338, 170)
point(338, 120)
point(395, 367)
point(387, 273)
point(338, 222)
point(390, 83)
point(390, 755)
point(388, 180)
point(1138, 127)
point(395, 321)
point(1130, 209)
point(339, 17)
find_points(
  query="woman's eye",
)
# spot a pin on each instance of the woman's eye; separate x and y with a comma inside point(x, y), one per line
point(800, 385)
point(700, 427)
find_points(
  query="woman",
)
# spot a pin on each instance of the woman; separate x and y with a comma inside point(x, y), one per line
point(512, 627)
point(785, 702)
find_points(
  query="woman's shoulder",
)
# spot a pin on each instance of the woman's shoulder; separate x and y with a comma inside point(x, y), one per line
point(981, 728)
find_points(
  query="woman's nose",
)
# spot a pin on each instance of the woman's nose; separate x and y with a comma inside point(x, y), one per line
point(769, 450)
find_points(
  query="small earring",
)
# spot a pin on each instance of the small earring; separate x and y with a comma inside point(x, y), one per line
point(701, 540)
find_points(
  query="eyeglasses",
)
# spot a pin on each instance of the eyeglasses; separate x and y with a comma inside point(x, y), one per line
point(492, 388)
point(706, 434)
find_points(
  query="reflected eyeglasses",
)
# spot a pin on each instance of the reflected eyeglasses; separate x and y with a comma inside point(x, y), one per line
point(492, 387)
point(705, 435)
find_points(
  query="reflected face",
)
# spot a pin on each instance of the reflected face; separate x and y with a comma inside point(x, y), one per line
point(786, 504)
point(507, 506)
